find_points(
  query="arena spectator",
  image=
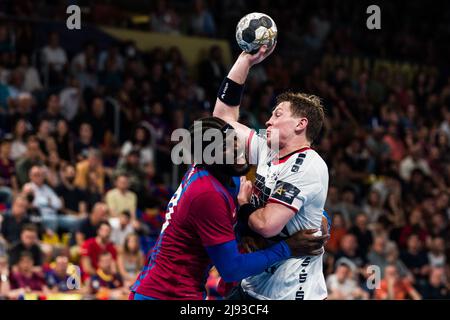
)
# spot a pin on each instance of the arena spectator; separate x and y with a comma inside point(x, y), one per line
point(436, 254)
point(24, 108)
point(415, 258)
point(93, 192)
point(349, 250)
point(130, 259)
point(99, 121)
point(8, 181)
point(80, 61)
point(437, 286)
point(342, 284)
point(413, 161)
point(26, 279)
point(92, 249)
point(141, 140)
point(106, 282)
point(164, 19)
point(15, 220)
point(347, 206)
point(212, 72)
point(58, 275)
point(5, 286)
point(392, 287)
point(72, 196)
point(18, 146)
point(32, 80)
point(361, 232)
point(392, 258)
point(52, 168)
point(48, 203)
point(112, 55)
point(338, 231)
point(377, 255)
point(28, 242)
point(70, 99)
point(121, 198)
point(52, 113)
point(54, 59)
point(373, 208)
point(416, 225)
point(64, 141)
point(130, 167)
point(122, 226)
point(43, 135)
point(85, 141)
point(438, 225)
point(202, 22)
point(93, 164)
point(89, 225)
point(32, 157)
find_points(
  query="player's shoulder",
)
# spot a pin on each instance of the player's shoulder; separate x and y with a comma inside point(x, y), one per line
point(316, 160)
point(306, 163)
point(205, 185)
point(306, 158)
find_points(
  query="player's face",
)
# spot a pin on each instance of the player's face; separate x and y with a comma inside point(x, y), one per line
point(281, 126)
point(239, 166)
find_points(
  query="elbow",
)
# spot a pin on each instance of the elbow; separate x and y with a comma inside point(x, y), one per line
point(222, 115)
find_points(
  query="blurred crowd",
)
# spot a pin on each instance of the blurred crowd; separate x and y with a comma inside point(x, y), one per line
point(85, 169)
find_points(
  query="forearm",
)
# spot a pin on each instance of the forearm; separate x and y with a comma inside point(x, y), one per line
point(268, 223)
point(87, 266)
point(258, 222)
point(234, 266)
point(238, 74)
point(415, 295)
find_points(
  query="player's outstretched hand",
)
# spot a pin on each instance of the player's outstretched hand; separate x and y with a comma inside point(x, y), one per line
point(305, 243)
point(256, 58)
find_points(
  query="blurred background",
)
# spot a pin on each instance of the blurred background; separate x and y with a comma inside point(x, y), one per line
point(86, 117)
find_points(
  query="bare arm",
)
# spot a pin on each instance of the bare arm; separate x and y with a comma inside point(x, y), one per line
point(87, 266)
point(121, 267)
point(238, 74)
point(270, 220)
point(414, 294)
point(79, 237)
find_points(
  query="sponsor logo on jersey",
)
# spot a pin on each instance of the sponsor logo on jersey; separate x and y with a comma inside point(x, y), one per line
point(285, 192)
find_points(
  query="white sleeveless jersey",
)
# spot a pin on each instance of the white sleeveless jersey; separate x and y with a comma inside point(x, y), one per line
point(300, 182)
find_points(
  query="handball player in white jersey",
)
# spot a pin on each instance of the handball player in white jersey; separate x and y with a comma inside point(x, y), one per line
point(291, 184)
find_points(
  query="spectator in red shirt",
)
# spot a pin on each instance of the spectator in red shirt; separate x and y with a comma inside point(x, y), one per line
point(338, 231)
point(392, 287)
point(416, 225)
point(25, 280)
point(94, 247)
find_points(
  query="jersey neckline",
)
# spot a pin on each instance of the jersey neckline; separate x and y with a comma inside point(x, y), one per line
point(286, 157)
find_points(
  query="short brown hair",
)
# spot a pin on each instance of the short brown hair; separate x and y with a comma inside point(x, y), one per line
point(308, 106)
point(30, 227)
